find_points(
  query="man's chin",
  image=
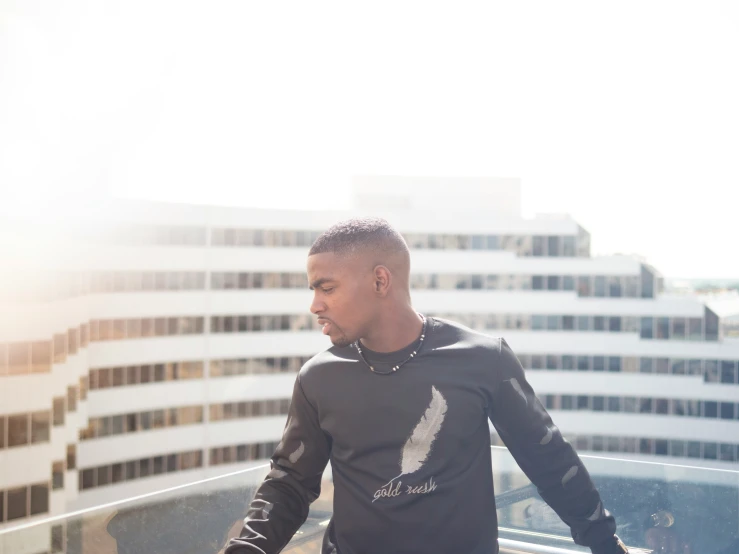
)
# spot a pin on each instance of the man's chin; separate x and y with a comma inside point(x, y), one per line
point(341, 342)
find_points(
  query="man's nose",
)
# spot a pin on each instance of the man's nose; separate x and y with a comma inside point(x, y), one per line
point(317, 306)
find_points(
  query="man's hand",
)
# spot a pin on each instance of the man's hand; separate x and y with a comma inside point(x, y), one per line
point(612, 546)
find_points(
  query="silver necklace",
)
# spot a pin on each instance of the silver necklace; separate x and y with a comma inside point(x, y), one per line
point(401, 364)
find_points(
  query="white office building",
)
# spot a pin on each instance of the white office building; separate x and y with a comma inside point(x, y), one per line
point(148, 345)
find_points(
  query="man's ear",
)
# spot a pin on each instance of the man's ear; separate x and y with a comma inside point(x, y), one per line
point(383, 278)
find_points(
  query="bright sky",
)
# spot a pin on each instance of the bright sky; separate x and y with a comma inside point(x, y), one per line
point(624, 114)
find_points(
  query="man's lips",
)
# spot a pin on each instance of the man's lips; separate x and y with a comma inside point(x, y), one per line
point(326, 325)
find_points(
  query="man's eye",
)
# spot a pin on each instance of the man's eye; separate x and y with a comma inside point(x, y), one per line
point(328, 290)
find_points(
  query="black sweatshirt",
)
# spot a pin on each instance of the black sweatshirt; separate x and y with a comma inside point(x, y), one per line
point(410, 452)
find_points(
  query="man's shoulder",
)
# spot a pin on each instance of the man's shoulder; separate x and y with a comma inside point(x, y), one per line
point(327, 359)
point(450, 334)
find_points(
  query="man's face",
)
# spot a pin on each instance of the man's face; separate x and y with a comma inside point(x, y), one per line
point(343, 296)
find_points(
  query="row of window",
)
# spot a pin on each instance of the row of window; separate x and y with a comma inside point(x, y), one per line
point(132, 470)
point(255, 366)
point(135, 328)
point(137, 469)
point(681, 328)
point(35, 427)
point(585, 285)
point(138, 281)
point(522, 245)
point(25, 501)
point(713, 371)
point(107, 377)
point(253, 323)
point(241, 453)
point(706, 450)
point(98, 427)
point(633, 405)
point(484, 322)
point(254, 408)
point(659, 328)
point(24, 429)
point(20, 358)
point(223, 280)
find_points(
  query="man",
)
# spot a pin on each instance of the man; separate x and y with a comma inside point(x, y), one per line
point(400, 406)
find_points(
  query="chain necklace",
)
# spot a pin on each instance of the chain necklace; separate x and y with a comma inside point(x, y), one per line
point(401, 364)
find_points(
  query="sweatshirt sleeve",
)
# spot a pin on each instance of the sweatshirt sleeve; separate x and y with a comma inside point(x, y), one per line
point(545, 457)
point(281, 503)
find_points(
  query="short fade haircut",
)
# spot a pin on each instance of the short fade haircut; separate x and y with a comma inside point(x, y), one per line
point(360, 233)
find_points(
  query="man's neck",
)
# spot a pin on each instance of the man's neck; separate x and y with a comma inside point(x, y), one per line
point(394, 333)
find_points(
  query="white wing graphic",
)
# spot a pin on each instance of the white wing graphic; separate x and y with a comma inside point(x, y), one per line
point(418, 446)
point(295, 456)
point(517, 387)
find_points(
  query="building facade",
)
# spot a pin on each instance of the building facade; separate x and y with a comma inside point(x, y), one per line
point(150, 345)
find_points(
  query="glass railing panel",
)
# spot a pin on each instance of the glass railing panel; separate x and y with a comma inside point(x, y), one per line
point(659, 507)
point(663, 508)
point(196, 517)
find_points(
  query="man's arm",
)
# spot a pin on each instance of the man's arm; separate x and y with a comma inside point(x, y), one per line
point(281, 503)
point(546, 458)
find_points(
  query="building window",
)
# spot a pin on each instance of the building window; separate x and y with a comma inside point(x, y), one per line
point(584, 287)
point(614, 287)
point(663, 328)
point(39, 427)
point(600, 286)
point(72, 399)
point(58, 409)
point(728, 371)
point(539, 246)
point(57, 475)
point(710, 409)
point(727, 410)
point(19, 358)
point(568, 282)
point(71, 456)
point(18, 430)
point(41, 357)
point(17, 503)
point(647, 327)
point(662, 366)
point(553, 246)
point(711, 373)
